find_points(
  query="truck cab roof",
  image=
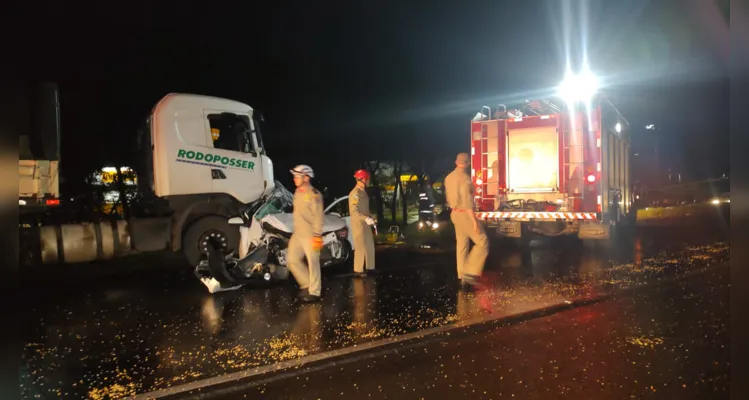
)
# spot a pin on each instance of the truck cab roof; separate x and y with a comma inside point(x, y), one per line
point(177, 101)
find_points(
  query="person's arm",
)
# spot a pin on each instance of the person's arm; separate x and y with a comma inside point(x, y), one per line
point(445, 185)
point(467, 201)
point(318, 217)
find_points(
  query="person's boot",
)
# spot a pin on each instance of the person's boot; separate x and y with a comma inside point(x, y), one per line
point(360, 274)
point(471, 284)
point(309, 298)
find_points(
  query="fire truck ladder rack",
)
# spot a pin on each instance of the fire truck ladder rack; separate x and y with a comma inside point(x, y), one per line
point(541, 107)
point(529, 107)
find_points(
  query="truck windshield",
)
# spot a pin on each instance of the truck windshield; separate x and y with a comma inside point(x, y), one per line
point(257, 120)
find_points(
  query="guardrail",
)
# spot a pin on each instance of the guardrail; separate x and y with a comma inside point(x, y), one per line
point(682, 213)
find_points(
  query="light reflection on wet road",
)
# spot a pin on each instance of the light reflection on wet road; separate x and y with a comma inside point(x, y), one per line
point(669, 341)
point(158, 327)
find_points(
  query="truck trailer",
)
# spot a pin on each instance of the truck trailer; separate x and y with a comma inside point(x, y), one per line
point(36, 119)
point(552, 169)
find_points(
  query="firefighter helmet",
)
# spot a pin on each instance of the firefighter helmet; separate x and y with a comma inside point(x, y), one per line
point(303, 170)
point(362, 175)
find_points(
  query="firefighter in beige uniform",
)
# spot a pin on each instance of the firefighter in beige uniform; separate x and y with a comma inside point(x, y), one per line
point(307, 237)
point(361, 221)
point(459, 194)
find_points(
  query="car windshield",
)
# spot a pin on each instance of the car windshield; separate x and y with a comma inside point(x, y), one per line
point(276, 205)
point(338, 207)
point(280, 201)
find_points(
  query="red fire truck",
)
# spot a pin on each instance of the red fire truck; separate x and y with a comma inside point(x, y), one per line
point(549, 169)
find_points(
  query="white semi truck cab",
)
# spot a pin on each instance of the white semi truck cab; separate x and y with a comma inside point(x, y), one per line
point(201, 160)
point(205, 146)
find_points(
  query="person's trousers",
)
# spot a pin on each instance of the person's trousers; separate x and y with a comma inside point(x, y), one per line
point(364, 248)
point(470, 262)
point(307, 274)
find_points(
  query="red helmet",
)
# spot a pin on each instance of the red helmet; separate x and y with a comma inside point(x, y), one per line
point(362, 175)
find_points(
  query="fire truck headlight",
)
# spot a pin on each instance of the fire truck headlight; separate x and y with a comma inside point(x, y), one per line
point(479, 181)
point(578, 87)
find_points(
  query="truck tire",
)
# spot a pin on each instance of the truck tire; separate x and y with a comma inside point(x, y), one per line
point(195, 236)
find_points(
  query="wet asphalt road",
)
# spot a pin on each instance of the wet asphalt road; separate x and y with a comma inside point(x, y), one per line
point(667, 342)
point(113, 329)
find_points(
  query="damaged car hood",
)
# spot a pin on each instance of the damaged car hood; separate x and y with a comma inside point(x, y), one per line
point(285, 222)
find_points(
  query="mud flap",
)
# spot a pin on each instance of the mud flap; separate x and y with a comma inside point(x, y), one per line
point(510, 229)
point(594, 231)
point(244, 241)
point(220, 278)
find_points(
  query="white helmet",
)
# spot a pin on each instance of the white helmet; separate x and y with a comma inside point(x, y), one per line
point(303, 170)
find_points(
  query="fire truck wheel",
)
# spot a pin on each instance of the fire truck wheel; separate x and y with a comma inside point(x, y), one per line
point(209, 227)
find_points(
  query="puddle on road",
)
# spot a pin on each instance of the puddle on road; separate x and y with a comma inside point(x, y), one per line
point(107, 349)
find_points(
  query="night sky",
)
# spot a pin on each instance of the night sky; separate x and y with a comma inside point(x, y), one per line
point(347, 81)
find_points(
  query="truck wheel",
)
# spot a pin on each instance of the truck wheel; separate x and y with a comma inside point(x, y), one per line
point(196, 237)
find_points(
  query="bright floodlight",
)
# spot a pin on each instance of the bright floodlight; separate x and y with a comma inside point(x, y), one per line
point(578, 88)
point(618, 127)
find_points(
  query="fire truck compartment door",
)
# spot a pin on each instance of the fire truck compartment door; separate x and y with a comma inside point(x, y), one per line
point(533, 159)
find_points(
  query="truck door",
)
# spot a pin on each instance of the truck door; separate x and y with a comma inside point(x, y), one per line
point(237, 166)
